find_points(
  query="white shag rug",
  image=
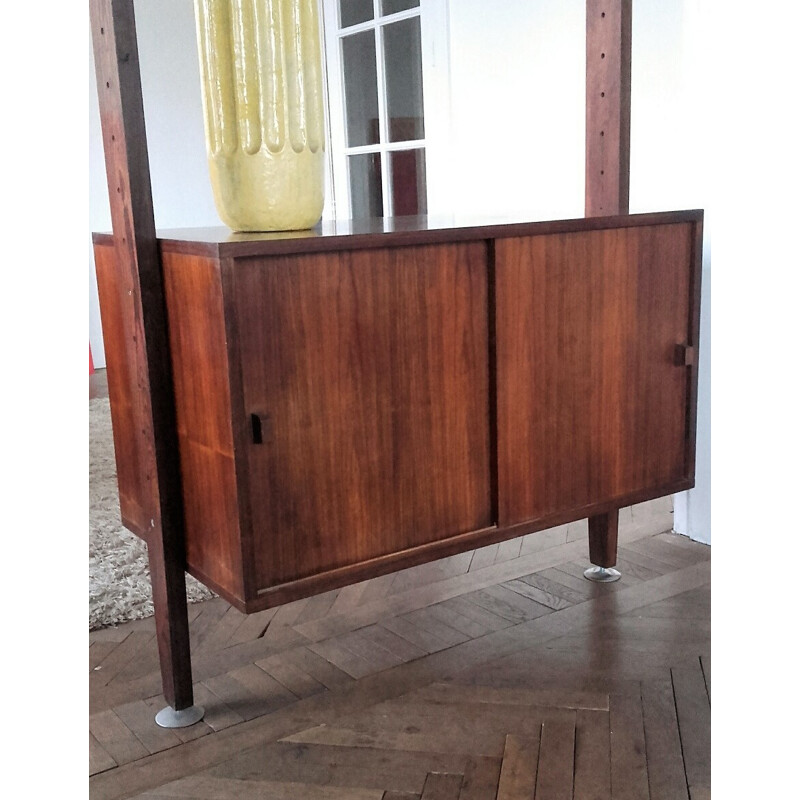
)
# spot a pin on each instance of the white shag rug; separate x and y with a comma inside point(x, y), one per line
point(119, 578)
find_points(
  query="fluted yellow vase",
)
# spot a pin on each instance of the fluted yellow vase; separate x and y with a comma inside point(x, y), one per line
point(261, 74)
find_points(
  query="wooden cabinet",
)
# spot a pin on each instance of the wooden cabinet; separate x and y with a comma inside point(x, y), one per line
point(350, 403)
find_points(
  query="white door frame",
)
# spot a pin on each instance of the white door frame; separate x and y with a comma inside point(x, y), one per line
point(435, 40)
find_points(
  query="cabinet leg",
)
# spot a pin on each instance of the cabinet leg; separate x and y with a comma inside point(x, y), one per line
point(145, 340)
point(603, 547)
point(172, 634)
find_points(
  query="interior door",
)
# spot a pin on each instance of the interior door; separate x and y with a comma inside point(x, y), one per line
point(386, 68)
point(591, 405)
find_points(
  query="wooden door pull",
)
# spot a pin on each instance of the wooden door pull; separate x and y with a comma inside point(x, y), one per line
point(684, 355)
point(261, 425)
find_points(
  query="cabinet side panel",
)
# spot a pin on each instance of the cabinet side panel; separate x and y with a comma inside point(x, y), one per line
point(368, 373)
point(130, 447)
point(591, 404)
point(202, 399)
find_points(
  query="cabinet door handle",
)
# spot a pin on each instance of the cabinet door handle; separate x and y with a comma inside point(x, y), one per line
point(261, 427)
point(684, 355)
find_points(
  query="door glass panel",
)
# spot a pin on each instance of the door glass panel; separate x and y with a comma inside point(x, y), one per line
point(366, 194)
point(409, 195)
point(351, 12)
point(393, 6)
point(360, 88)
point(403, 55)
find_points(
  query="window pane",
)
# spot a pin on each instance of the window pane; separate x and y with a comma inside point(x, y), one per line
point(409, 192)
point(393, 6)
point(366, 195)
point(351, 12)
point(403, 55)
point(360, 88)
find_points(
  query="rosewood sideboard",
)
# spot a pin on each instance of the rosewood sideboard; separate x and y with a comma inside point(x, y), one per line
point(293, 412)
point(364, 397)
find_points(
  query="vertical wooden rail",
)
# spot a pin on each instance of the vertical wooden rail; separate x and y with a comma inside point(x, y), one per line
point(139, 278)
point(608, 106)
point(608, 150)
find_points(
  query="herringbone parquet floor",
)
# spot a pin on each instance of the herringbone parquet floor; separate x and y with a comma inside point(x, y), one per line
point(492, 675)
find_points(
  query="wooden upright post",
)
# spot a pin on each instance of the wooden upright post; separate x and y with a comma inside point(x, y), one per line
point(140, 289)
point(608, 106)
point(608, 159)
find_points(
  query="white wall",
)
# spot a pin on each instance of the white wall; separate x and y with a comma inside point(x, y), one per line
point(518, 108)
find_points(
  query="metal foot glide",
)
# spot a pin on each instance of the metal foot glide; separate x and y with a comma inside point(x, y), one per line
point(170, 718)
point(602, 574)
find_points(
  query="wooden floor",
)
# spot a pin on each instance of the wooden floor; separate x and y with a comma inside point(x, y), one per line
point(495, 674)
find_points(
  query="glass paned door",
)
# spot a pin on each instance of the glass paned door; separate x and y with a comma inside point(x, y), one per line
point(366, 187)
point(409, 195)
point(351, 12)
point(403, 75)
point(393, 6)
point(380, 88)
point(361, 89)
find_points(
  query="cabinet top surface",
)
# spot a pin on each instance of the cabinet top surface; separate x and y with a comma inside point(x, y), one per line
point(222, 242)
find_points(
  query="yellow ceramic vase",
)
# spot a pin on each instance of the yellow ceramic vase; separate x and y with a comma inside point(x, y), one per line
point(261, 73)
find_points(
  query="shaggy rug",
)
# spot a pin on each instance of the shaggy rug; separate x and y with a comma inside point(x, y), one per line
point(119, 578)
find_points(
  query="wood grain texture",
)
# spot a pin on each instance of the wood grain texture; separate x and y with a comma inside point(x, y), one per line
point(518, 768)
point(99, 759)
point(694, 718)
point(379, 233)
point(480, 779)
point(629, 776)
point(592, 779)
point(693, 341)
point(590, 404)
point(351, 348)
point(372, 369)
point(556, 760)
point(667, 777)
point(608, 106)
point(198, 345)
point(442, 786)
point(464, 700)
point(131, 450)
point(138, 286)
point(603, 533)
point(425, 553)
